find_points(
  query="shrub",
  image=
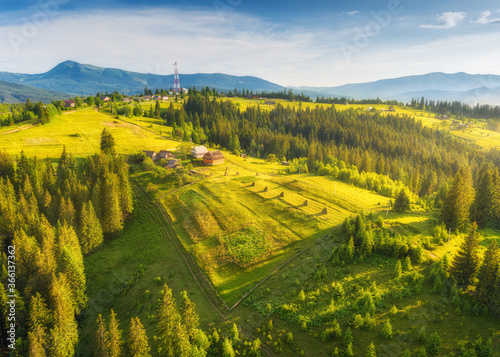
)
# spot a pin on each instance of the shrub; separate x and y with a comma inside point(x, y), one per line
point(347, 339)
point(371, 352)
point(422, 335)
point(369, 322)
point(358, 321)
point(348, 351)
point(433, 344)
point(386, 330)
point(327, 334)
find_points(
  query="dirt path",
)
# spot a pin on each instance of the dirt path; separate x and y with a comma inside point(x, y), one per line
point(20, 129)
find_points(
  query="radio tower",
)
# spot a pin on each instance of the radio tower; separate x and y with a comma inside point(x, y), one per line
point(177, 83)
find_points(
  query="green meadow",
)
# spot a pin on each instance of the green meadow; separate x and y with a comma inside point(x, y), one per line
point(80, 132)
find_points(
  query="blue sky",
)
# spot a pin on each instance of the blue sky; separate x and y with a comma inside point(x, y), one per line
point(313, 43)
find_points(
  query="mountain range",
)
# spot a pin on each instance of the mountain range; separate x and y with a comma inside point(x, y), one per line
point(82, 79)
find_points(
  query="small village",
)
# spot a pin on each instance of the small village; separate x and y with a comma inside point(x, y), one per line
point(199, 153)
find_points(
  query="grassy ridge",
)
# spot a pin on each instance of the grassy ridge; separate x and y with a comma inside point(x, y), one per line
point(80, 132)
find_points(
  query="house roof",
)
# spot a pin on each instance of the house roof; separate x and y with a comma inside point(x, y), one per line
point(214, 155)
point(69, 101)
point(199, 150)
point(149, 153)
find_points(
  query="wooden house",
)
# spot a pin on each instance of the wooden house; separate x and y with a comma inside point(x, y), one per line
point(165, 154)
point(69, 103)
point(212, 158)
point(198, 152)
point(173, 164)
point(151, 154)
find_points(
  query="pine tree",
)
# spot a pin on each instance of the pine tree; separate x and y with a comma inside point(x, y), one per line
point(347, 339)
point(115, 336)
point(28, 252)
point(157, 110)
point(137, 340)
point(488, 285)
point(387, 330)
point(39, 319)
point(350, 250)
point(407, 263)
point(458, 200)
point(64, 334)
point(235, 333)
point(37, 342)
point(90, 230)
point(433, 344)
point(483, 206)
point(190, 318)
point(227, 348)
point(167, 321)
point(465, 264)
point(402, 202)
point(125, 189)
point(107, 143)
point(398, 271)
point(371, 352)
point(101, 338)
point(111, 219)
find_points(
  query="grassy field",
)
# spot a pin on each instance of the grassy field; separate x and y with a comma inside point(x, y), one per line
point(80, 132)
point(127, 274)
point(276, 217)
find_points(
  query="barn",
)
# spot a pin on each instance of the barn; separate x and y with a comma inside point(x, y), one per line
point(212, 158)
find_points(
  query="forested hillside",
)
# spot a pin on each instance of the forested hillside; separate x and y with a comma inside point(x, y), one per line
point(54, 217)
point(421, 157)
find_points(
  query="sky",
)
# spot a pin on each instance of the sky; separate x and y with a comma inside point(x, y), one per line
point(291, 43)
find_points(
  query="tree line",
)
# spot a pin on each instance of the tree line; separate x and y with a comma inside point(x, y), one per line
point(176, 332)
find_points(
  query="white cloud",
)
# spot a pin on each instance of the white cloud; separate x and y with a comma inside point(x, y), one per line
point(446, 20)
point(350, 13)
point(484, 18)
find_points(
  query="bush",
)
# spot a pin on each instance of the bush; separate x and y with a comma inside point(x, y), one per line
point(386, 330)
point(433, 344)
point(369, 322)
point(358, 321)
point(347, 339)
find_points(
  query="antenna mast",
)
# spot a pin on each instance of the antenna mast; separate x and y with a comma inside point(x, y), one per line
point(177, 83)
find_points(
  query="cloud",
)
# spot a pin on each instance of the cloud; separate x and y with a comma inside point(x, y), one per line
point(446, 20)
point(484, 18)
point(350, 13)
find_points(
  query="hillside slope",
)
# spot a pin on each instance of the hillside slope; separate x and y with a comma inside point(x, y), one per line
point(17, 93)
